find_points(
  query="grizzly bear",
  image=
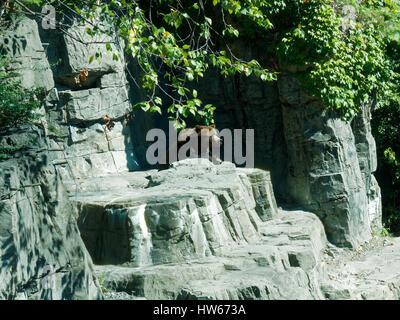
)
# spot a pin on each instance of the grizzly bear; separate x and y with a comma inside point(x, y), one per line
point(191, 139)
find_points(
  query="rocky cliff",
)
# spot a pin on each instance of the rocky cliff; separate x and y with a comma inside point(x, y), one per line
point(78, 200)
point(317, 161)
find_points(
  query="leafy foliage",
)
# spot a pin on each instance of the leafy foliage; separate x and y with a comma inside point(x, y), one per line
point(175, 42)
point(8, 151)
point(344, 57)
point(382, 233)
point(16, 103)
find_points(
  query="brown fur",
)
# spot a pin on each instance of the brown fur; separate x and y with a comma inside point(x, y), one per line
point(184, 137)
point(109, 123)
point(128, 117)
point(81, 77)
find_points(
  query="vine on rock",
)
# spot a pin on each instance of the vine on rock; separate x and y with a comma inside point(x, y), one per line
point(174, 42)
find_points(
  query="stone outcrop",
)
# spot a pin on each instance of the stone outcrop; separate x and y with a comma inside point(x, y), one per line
point(22, 45)
point(75, 113)
point(324, 173)
point(198, 230)
point(368, 273)
point(317, 161)
point(191, 211)
point(253, 104)
point(74, 144)
point(42, 253)
point(366, 152)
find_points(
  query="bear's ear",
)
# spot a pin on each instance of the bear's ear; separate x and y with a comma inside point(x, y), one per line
point(212, 125)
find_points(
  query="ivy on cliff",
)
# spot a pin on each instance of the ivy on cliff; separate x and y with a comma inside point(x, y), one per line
point(17, 104)
point(173, 44)
point(342, 55)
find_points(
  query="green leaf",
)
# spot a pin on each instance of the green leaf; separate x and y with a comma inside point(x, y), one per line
point(158, 100)
point(156, 109)
point(189, 76)
point(181, 91)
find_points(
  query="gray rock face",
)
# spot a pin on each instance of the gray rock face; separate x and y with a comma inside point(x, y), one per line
point(190, 211)
point(42, 253)
point(316, 160)
point(324, 175)
point(366, 152)
point(70, 52)
point(370, 273)
point(180, 240)
point(93, 104)
point(39, 234)
point(201, 231)
point(84, 146)
point(22, 45)
point(250, 103)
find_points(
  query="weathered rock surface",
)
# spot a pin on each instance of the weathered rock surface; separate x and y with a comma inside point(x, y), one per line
point(252, 104)
point(21, 44)
point(366, 152)
point(84, 146)
point(193, 210)
point(369, 273)
point(150, 245)
point(316, 160)
point(198, 230)
point(324, 175)
point(42, 253)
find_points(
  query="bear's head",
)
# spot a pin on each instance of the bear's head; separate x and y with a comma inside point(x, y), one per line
point(210, 131)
